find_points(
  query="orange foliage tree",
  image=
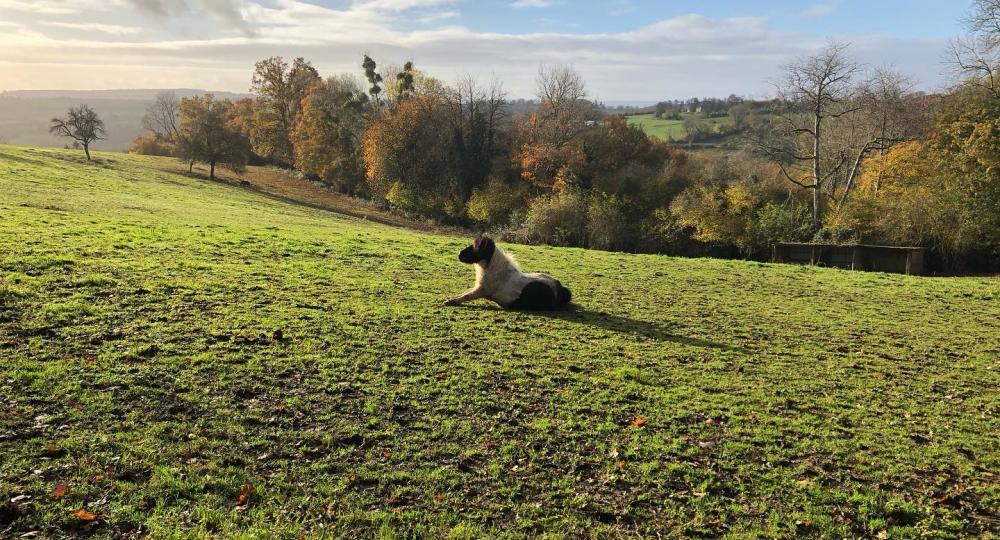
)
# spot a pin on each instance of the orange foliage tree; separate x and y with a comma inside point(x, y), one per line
point(327, 135)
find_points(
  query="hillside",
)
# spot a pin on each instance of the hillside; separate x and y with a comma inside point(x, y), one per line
point(199, 359)
point(25, 114)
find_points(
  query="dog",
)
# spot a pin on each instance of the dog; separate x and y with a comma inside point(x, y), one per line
point(499, 279)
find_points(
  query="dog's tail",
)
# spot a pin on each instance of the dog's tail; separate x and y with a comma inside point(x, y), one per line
point(563, 295)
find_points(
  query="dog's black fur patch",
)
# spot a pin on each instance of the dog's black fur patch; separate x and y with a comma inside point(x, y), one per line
point(535, 296)
point(481, 250)
point(538, 296)
point(563, 295)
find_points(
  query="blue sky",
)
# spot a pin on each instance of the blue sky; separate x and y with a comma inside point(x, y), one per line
point(918, 18)
point(628, 50)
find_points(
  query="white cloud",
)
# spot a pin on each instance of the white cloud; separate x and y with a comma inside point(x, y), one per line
point(55, 7)
point(111, 29)
point(817, 11)
point(438, 16)
point(521, 4)
point(678, 57)
point(229, 12)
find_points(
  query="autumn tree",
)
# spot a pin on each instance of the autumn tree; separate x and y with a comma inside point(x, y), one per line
point(547, 145)
point(887, 114)
point(80, 124)
point(279, 89)
point(208, 134)
point(327, 136)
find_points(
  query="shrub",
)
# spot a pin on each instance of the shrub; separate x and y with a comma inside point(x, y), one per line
point(151, 144)
point(606, 225)
point(496, 202)
point(558, 219)
point(780, 222)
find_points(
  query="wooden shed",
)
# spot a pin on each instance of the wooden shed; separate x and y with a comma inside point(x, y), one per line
point(900, 260)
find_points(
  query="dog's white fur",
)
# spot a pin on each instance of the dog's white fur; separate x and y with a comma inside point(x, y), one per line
point(500, 280)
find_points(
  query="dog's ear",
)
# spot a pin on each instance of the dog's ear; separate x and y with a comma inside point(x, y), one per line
point(486, 248)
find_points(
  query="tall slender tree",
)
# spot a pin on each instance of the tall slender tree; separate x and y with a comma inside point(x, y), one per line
point(816, 90)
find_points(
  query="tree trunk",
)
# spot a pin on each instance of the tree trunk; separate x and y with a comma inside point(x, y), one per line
point(191, 167)
point(211, 171)
point(817, 125)
point(86, 150)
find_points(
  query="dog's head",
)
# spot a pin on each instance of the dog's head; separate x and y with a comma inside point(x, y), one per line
point(481, 250)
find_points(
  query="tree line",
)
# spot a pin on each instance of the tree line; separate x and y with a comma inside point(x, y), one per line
point(843, 153)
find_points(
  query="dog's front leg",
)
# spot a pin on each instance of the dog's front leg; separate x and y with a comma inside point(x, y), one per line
point(468, 296)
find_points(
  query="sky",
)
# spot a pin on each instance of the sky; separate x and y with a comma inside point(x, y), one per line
point(627, 50)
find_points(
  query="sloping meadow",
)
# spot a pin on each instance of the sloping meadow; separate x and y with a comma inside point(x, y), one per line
point(189, 358)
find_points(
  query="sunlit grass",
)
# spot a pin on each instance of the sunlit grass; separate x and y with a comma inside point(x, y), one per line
point(166, 342)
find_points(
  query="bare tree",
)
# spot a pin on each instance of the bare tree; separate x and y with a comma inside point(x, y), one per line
point(564, 109)
point(815, 90)
point(560, 87)
point(478, 112)
point(82, 125)
point(161, 116)
point(977, 57)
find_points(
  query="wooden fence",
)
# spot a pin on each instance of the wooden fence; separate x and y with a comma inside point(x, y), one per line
point(900, 260)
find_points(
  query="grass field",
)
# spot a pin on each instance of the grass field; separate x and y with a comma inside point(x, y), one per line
point(187, 359)
point(664, 129)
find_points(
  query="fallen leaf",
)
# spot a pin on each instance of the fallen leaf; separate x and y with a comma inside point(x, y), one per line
point(244, 497)
point(60, 491)
point(351, 480)
point(98, 477)
point(639, 421)
point(84, 515)
point(620, 464)
point(439, 498)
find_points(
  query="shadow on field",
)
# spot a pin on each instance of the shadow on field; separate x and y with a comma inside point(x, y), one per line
point(617, 323)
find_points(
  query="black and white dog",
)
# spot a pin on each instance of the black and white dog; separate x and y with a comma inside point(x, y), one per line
point(499, 279)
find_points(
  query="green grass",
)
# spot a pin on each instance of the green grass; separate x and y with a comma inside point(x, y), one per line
point(665, 129)
point(166, 341)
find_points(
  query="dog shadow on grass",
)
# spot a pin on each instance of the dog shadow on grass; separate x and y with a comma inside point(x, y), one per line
point(617, 323)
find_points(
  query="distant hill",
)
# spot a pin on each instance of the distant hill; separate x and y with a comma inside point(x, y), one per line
point(146, 94)
point(25, 114)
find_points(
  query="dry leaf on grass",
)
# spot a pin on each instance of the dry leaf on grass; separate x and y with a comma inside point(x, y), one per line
point(639, 421)
point(60, 491)
point(244, 496)
point(83, 515)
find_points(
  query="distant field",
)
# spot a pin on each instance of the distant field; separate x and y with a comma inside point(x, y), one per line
point(666, 129)
point(186, 359)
